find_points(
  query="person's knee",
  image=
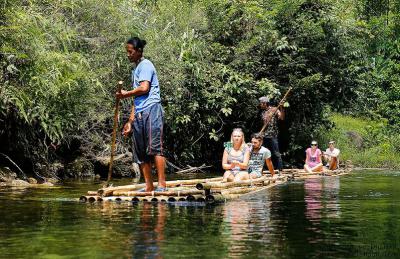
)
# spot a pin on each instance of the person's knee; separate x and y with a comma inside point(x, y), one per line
point(227, 173)
point(254, 176)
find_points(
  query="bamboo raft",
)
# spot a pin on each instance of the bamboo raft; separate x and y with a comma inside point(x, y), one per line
point(208, 190)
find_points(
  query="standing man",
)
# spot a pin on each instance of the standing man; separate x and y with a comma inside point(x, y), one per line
point(258, 156)
point(147, 115)
point(271, 115)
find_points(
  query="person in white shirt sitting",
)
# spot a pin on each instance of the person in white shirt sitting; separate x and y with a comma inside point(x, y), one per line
point(331, 156)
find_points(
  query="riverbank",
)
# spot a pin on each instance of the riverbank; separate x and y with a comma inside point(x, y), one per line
point(367, 143)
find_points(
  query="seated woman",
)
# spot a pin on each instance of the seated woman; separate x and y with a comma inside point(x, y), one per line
point(236, 158)
point(313, 158)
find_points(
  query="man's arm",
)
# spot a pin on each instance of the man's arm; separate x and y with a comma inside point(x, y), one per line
point(270, 166)
point(143, 88)
point(128, 127)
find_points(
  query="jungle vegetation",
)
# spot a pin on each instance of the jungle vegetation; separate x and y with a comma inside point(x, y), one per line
point(60, 61)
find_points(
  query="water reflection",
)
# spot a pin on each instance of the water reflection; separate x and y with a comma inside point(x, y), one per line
point(150, 232)
point(322, 217)
point(322, 198)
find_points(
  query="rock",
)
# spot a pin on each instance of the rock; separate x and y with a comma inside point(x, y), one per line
point(80, 168)
point(19, 183)
point(47, 184)
point(6, 175)
point(356, 138)
point(122, 166)
point(51, 180)
point(32, 180)
point(50, 170)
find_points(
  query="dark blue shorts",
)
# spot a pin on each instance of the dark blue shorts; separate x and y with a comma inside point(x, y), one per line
point(148, 134)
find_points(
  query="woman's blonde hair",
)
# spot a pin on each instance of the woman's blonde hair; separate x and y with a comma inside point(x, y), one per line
point(243, 145)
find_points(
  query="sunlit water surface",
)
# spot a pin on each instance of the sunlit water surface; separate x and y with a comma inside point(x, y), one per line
point(357, 215)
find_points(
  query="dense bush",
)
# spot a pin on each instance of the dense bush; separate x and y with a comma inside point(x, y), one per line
point(60, 61)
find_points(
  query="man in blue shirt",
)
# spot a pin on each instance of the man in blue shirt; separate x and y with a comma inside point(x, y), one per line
point(147, 116)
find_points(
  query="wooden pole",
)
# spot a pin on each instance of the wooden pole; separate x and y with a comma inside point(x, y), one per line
point(114, 134)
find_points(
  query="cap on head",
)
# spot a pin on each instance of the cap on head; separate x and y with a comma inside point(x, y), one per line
point(263, 99)
point(331, 142)
point(314, 142)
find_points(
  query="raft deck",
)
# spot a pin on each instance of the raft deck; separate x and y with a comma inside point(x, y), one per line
point(208, 190)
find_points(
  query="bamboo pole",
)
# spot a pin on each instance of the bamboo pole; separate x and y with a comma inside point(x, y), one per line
point(201, 198)
point(90, 198)
point(238, 190)
point(198, 198)
point(220, 185)
point(220, 197)
point(274, 113)
point(109, 191)
point(171, 199)
point(166, 193)
point(114, 134)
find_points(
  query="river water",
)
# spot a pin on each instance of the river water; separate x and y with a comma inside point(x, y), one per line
point(357, 215)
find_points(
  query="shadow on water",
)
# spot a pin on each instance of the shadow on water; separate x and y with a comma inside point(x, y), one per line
point(330, 217)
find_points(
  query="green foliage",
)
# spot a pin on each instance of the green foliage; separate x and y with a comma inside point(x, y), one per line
point(379, 93)
point(367, 143)
point(61, 59)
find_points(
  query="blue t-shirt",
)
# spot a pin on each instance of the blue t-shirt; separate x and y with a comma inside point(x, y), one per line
point(146, 71)
point(257, 160)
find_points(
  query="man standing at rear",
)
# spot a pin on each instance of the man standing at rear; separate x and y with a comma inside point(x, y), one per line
point(147, 115)
point(270, 116)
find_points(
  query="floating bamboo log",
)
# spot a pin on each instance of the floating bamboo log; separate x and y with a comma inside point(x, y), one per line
point(198, 197)
point(110, 190)
point(237, 190)
point(90, 199)
point(201, 198)
point(220, 197)
point(220, 185)
point(174, 199)
point(136, 199)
